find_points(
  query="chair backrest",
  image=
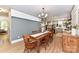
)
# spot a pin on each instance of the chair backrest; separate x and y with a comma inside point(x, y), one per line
point(46, 37)
point(29, 41)
point(26, 38)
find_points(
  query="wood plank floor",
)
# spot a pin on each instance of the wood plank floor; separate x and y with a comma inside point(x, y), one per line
point(54, 47)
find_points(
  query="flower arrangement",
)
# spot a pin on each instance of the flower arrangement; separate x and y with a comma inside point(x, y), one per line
point(76, 26)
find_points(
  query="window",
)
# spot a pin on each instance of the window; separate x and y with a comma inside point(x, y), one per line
point(4, 25)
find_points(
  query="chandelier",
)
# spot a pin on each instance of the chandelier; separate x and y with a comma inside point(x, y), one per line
point(43, 14)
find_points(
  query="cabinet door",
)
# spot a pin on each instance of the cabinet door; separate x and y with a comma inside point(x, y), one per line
point(70, 43)
point(74, 44)
point(66, 44)
point(75, 16)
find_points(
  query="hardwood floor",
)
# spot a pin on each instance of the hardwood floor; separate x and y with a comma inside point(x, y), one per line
point(54, 47)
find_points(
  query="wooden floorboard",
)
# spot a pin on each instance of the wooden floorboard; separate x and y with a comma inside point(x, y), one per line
point(54, 47)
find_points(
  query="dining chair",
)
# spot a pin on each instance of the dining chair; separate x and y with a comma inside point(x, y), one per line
point(44, 41)
point(50, 36)
point(30, 43)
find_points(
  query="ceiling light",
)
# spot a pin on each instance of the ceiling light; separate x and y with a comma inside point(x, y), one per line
point(43, 14)
point(3, 10)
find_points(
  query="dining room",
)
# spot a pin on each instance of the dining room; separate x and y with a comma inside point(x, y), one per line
point(40, 29)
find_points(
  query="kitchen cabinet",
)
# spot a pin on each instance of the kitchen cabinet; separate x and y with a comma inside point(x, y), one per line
point(70, 43)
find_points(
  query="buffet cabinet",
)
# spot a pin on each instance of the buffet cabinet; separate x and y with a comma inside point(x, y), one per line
point(70, 43)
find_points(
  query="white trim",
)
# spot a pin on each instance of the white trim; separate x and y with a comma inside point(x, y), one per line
point(19, 14)
point(15, 41)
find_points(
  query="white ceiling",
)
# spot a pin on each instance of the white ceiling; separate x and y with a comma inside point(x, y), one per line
point(52, 10)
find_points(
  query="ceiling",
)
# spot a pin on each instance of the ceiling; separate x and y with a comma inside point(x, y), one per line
point(52, 10)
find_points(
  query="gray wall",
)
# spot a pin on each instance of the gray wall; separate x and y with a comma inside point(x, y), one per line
point(20, 27)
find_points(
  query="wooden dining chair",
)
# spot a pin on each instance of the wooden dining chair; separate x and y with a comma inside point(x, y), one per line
point(50, 36)
point(45, 40)
point(30, 43)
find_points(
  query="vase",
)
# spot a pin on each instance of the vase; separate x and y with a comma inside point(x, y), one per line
point(74, 32)
point(77, 32)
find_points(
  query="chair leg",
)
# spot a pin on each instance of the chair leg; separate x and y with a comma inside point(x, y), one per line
point(48, 43)
point(27, 50)
point(24, 50)
point(45, 46)
point(38, 50)
point(50, 39)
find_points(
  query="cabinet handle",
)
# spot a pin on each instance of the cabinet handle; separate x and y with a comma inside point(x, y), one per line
point(71, 40)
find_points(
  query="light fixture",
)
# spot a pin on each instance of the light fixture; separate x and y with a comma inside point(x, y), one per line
point(43, 14)
point(3, 10)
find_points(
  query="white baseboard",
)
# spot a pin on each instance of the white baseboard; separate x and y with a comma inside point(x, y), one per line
point(15, 41)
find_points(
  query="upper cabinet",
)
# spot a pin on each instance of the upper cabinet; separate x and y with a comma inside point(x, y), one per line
point(74, 15)
point(75, 20)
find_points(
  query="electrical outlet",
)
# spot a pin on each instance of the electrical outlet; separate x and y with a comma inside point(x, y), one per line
point(18, 37)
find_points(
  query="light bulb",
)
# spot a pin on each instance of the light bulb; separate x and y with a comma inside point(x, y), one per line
point(39, 15)
point(42, 14)
point(46, 15)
